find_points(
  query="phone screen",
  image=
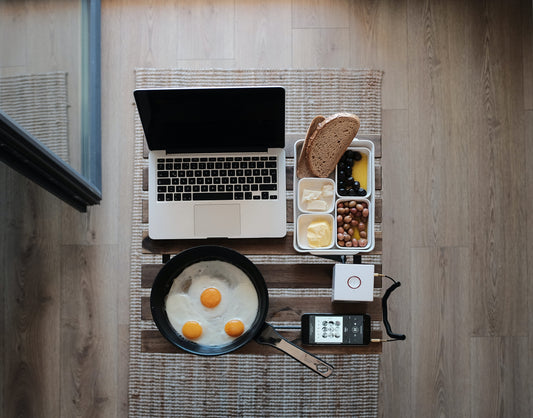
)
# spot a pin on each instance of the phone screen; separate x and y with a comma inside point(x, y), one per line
point(337, 329)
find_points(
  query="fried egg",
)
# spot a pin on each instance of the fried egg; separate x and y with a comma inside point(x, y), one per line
point(212, 303)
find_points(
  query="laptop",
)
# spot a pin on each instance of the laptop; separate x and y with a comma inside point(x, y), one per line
point(216, 161)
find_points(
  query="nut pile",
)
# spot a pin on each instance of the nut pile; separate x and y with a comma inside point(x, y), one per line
point(352, 223)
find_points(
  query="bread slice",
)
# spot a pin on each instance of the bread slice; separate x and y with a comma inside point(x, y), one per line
point(301, 167)
point(329, 141)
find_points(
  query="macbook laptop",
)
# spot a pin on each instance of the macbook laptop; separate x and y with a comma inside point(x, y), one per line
point(216, 161)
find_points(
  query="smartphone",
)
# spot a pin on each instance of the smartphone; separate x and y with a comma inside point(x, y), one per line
point(332, 329)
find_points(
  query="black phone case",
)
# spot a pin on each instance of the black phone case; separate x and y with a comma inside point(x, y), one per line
point(306, 333)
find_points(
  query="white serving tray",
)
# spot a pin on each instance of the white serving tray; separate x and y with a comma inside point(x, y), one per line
point(364, 146)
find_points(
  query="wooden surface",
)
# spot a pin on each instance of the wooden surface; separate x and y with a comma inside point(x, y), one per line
point(457, 184)
point(282, 310)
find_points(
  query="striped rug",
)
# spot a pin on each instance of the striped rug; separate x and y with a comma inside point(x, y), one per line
point(173, 385)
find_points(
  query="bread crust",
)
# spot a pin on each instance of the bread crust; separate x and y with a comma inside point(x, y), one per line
point(302, 170)
point(328, 142)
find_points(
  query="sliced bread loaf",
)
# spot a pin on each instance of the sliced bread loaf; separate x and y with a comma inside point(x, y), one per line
point(328, 142)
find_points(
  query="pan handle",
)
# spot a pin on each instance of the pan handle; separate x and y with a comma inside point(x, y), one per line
point(270, 336)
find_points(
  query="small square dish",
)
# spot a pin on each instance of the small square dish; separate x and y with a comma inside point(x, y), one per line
point(354, 224)
point(315, 231)
point(316, 195)
point(353, 174)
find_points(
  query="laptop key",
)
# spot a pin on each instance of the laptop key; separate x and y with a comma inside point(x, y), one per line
point(187, 196)
point(239, 196)
point(163, 182)
point(160, 197)
point(268, 187)
point(264, 195)
point(248, 195)
point(213, 196)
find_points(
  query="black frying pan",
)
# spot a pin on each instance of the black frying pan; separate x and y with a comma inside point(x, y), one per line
point(260, 330)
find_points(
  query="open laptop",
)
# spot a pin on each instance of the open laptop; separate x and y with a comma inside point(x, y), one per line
point(216, 161)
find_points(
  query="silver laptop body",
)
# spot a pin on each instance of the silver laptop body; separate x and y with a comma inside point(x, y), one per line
point(216, 161)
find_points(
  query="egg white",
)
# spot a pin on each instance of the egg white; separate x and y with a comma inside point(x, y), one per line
point(239, 300)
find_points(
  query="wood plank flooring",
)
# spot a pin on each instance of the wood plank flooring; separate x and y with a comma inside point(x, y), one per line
point(457, 157)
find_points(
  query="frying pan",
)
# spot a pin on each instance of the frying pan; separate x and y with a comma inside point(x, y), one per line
point(261, 331)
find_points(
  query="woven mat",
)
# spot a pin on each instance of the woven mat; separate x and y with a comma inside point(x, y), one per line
point(38, 103)
point(251, 385)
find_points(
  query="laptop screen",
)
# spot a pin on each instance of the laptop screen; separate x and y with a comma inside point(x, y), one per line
point(213, 119)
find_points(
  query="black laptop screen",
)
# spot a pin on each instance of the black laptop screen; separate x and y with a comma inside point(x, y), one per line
point(213, 119)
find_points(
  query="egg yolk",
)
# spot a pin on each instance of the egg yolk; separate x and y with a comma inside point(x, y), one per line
point(191, 330)
point(234, 328)
point(210, 297)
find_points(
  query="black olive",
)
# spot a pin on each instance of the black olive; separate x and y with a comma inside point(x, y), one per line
point(349, 161)
point(357, 156)
point(361, 192)
point(350, 180)
point(356, 185)
point(341, 175)
point(352, 192)
point(342, 191)
point(349, 154)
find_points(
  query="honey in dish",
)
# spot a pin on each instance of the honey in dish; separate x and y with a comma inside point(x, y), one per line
point(360, 171)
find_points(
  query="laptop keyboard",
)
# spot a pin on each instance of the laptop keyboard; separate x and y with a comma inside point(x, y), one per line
point(217, 178)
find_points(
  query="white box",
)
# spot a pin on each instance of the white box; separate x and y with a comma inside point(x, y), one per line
point(353, 283)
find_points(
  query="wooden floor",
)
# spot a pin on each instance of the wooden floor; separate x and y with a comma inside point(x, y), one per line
point(458, 192)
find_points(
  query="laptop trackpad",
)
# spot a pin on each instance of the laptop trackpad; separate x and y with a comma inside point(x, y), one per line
point(217, 220)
